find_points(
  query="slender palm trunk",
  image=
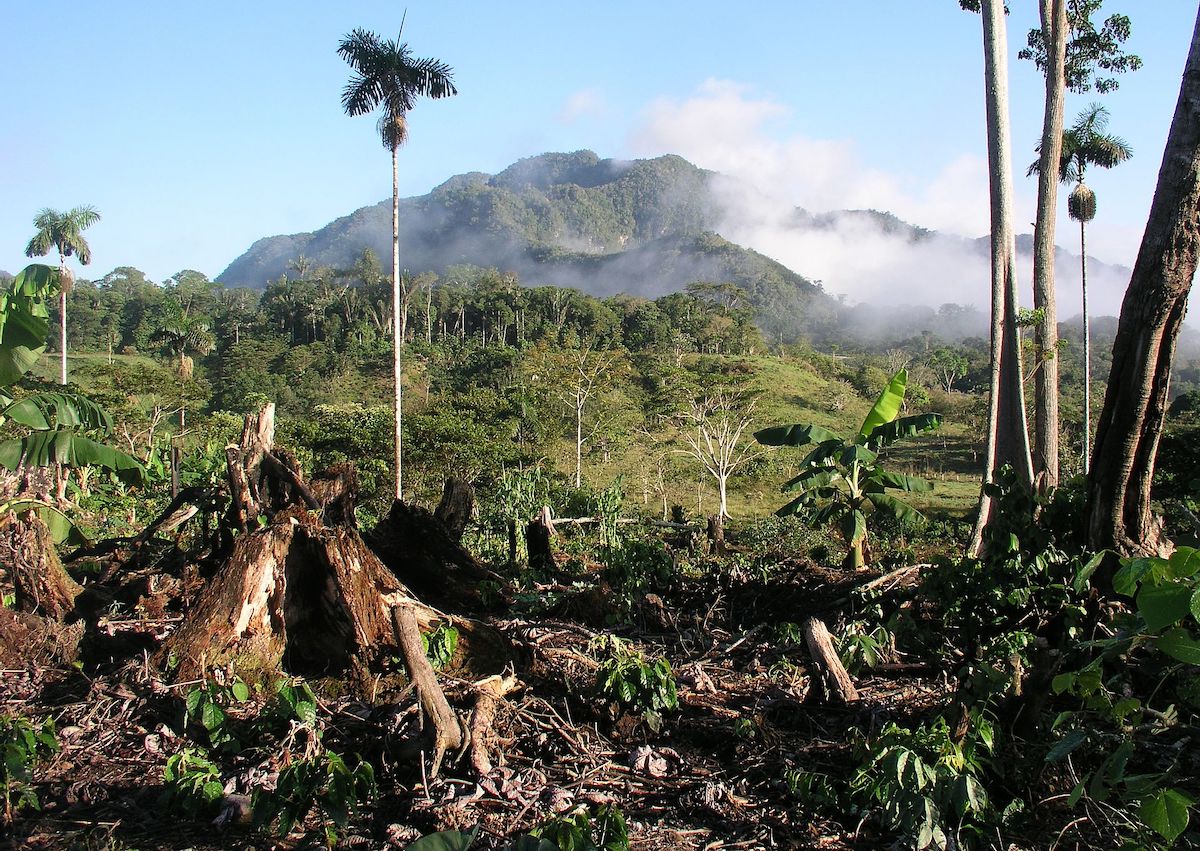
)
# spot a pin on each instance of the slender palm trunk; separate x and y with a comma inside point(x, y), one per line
point(1045, 408)
point(62, 283)
point(1087, 354)
point(396, 330)
point(63, 377)
point(579, 444)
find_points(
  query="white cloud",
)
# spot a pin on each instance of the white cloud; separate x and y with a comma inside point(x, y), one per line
point(723, 127)
point(586, 103)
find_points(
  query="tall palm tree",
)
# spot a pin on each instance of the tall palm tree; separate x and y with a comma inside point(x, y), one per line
point(388, 77)
point(1086, 143)
point(63, 231)
point(180, 335)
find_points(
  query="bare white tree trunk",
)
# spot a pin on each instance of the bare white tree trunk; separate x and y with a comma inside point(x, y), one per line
point(1007, 436)
point(1045, 410)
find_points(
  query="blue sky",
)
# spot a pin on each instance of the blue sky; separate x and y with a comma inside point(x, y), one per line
point(197, 128)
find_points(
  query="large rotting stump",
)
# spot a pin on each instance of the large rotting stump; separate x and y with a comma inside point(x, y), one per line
point(303, 593)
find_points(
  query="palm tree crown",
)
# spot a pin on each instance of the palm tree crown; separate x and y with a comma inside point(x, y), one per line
point(386, 75)
point(63, 231)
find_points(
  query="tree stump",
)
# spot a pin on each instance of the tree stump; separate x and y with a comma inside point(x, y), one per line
point(424, 555)
point(455, 509)
point(539, 533)
point(716, 535)
point(40, 583)
point(838, 686)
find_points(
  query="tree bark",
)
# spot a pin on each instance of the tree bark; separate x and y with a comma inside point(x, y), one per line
point(1007, 435)
point(422, 553)
point(832, 674)
point(454, 511)
point(1045, 408)
point(40, 583)
point(1152, 313)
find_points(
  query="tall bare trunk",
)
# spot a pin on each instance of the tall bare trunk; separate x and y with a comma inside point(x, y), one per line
point(1087, 353)
point(1152, 313)
point(397, 338)
point(1045, 409)
point(1007, 437)
point(63, 318)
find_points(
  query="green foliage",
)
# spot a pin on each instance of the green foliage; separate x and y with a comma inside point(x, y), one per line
point(585, 829)
point(206, 706)
point(55, 419)
point(925, 782)
point(847, 474)
point(192, 783)
point(294, 702)
point(440, 644)
point(629, 679)
point(637, 565)
point(24, 746)
point(323, 781)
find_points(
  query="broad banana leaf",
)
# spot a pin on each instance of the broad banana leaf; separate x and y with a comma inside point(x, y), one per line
point(822, 453)
point(811, 479)
point(24, 321)
point(794, 506)
point(45, 411)
point(855, 454)
point(897, 481)
point(795, 435)
point(62, 529)
point(854, 526)
point(65, 446)
point(896, 508)
point(886, 407)
point(888, 433)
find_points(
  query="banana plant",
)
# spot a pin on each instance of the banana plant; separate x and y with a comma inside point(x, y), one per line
point(54, 421)
point(846, 474)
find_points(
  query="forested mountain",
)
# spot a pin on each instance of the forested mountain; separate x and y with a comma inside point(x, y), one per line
point(643, 227)
point(563, 219)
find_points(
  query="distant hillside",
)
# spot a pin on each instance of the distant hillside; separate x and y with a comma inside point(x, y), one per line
point(549, 218)
point(650, 227)
point(573, 220)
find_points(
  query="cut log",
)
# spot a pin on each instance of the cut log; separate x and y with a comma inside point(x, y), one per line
point(838, 686)
point(40, 583)
point(455, 509)
point(538, 535)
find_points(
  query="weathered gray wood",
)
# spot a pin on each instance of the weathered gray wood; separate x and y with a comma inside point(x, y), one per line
point(833, 676)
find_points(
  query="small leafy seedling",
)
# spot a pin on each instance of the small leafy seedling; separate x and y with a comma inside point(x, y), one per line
point(440, 644)
point(24, 746)
point(627, 678)
point(206, 705)
point(325, 782)
point(193, 783)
